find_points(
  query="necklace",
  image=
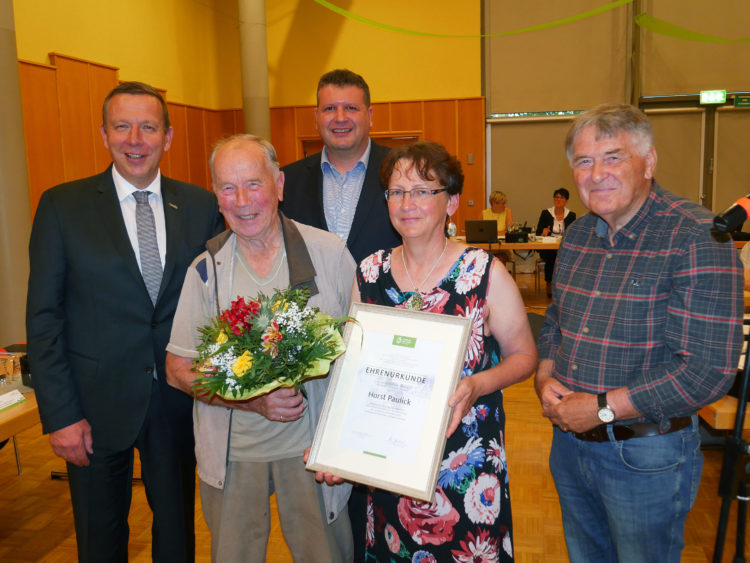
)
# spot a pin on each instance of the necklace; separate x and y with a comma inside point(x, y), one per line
point(271, 278)
point(415, 301)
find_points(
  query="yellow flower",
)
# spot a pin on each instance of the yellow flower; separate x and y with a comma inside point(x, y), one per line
point(242, 364)
point(222, 338)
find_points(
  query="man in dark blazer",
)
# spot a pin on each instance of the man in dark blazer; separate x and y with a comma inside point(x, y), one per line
point(97, 334)
point(339, 189)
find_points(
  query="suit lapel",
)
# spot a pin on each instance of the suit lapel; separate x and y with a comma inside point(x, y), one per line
point(370, 196)
point(110, 213)
point(316, 174)
point(173, 218)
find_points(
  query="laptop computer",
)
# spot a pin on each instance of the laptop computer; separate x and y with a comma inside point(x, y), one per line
point(481, 231)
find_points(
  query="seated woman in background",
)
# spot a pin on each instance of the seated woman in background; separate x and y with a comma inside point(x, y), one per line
point(552, 222)
point(499, 212)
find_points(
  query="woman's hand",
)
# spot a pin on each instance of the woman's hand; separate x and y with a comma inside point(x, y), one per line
point(467, 392)
point(545, 231)
point(321, 477)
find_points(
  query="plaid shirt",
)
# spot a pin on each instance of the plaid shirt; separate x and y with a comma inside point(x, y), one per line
point(659, 312)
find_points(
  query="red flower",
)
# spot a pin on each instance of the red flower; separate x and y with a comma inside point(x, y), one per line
point(428, 523)
point(240, 315)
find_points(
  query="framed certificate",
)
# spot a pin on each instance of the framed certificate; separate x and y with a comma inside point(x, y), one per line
point(385, 415)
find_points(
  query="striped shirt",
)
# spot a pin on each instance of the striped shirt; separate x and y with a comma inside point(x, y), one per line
point(341, 193)
point(659, 312)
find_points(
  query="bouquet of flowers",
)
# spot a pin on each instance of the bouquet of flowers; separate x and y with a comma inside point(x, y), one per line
point(261, 344)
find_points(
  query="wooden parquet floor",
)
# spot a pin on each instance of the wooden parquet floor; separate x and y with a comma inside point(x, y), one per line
point(36, 521)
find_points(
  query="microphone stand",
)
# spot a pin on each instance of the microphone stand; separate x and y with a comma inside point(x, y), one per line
point(734, 474)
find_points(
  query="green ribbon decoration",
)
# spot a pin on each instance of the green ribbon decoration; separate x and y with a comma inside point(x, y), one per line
point(645, 21)
point(662, 27)
point(367, 21)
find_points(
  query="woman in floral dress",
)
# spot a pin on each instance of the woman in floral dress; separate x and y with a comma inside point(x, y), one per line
point(470, 518)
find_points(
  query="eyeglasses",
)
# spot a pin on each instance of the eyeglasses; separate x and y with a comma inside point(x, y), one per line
point(417, 194)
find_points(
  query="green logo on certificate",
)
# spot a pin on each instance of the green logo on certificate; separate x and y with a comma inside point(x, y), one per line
point(405, 341)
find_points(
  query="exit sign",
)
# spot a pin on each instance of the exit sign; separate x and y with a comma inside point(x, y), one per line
point(742, 100)
point(713, 96)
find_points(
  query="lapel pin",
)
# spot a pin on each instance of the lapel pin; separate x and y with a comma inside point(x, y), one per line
point(173, 205)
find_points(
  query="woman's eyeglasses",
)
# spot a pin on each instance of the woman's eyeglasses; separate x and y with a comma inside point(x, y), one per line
point(417, 194)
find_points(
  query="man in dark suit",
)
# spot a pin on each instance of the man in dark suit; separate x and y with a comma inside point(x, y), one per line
point(108, 257)
point(339, 189)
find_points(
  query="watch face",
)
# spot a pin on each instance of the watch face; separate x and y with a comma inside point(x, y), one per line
point(606, 415)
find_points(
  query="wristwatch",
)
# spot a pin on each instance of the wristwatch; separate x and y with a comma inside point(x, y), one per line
point(606, 414)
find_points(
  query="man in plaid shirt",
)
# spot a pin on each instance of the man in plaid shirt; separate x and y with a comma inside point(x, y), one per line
point(644, 329)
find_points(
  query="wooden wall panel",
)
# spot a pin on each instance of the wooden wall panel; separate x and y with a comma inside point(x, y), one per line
point(219, 125)
point(381, 117)
point(41, 120)
point(196, 143)
point(440, 123)
point(406, 116)
point(304, 119)
point(282, 134)
point(75, 117)
point(239, 120)
point(101, 81)
point(470, 152)
point(176, 163)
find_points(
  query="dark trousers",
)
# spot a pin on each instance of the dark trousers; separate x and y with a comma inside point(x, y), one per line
point(101, 492)
point(357, 507)
point(549, 257)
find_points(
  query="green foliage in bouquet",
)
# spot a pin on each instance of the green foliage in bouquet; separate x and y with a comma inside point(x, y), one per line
point(261, 344)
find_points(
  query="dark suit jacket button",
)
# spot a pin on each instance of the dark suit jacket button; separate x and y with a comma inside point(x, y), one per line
point(153, 325)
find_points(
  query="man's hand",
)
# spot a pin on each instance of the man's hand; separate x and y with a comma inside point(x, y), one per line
point(283, 405)
point(73, 442)
point(576, 412)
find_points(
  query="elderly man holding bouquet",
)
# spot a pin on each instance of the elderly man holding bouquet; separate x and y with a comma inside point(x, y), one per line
point(244, 305)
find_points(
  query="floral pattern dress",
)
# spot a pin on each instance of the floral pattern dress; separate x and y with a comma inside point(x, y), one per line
point(470, 518)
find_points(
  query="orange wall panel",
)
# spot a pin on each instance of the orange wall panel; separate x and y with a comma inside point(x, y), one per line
point(304, 119)
point(282, 134)
point(175, 163)
point(406, 116)
point(75, 117)
point(440, 123)
point(239, 121)
point(471, 149)
point(41, 121)
point(219, 125)
point(381, 117)
point(101, 81)
point(196, 144)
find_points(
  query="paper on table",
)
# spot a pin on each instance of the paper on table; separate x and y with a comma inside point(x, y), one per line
point(11, 398)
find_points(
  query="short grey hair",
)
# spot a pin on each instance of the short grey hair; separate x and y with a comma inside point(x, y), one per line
point(609, 120)
point(268, 150)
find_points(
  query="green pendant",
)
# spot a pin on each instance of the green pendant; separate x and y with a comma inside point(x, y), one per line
point(415, 302)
